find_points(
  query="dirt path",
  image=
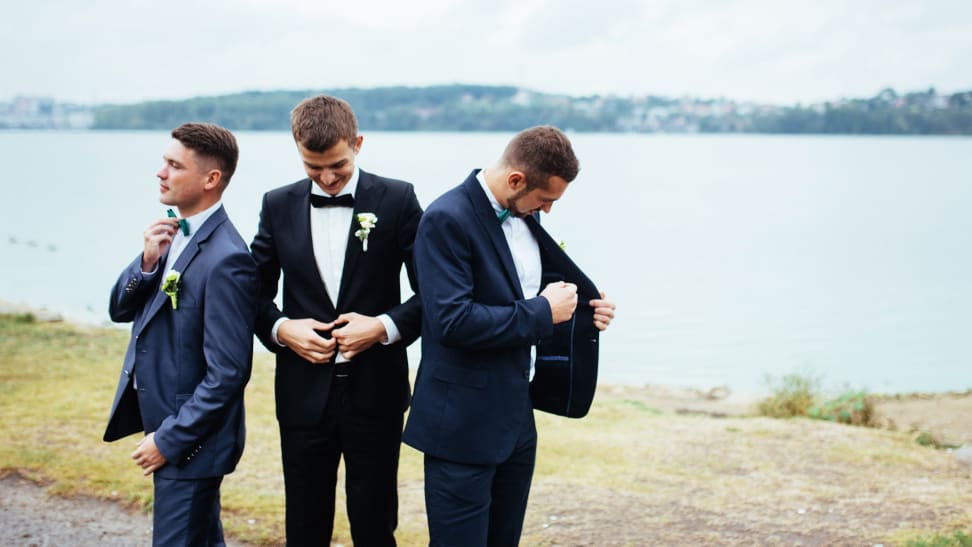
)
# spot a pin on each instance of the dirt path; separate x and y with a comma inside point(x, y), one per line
point(29, 517)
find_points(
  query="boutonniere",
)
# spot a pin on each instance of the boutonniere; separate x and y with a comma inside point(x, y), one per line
point(562, 245)
point(367, 221)
point(170, 286)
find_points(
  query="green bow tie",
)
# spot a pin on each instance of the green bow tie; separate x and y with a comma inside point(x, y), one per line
point(503, 215)
point(183, 223)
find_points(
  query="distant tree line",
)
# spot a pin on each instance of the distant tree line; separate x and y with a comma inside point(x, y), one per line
point(505, 108)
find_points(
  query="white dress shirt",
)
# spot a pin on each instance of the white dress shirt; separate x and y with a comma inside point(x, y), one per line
point(329, 237)
point(525, 251)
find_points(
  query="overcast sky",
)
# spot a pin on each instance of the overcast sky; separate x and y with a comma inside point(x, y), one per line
point(779, 51)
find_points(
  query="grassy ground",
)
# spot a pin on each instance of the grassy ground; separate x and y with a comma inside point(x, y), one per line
point(630, 473)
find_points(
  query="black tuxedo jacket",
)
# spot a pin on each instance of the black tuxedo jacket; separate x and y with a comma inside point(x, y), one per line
point(370, 285)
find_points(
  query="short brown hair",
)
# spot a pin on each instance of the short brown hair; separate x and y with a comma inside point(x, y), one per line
point(212, 142)
point(318, 123)
point(541, 152)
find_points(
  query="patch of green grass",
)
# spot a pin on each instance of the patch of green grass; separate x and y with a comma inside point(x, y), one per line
point(958, 539)
point(931, 440)
point(642, 406)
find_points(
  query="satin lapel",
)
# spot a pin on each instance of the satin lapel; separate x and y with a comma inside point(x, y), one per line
point(486, 216)
point(367, 199)
point(301, 239)
point(553, 256)
point(184, 261)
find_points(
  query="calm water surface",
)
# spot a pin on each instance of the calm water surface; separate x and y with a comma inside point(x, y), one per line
point(730, 257)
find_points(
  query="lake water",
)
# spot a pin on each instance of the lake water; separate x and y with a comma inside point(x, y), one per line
point(730, 257)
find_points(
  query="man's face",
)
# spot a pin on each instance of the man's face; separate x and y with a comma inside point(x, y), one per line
point(526, 202)
point(332, 168)
point(183, 178)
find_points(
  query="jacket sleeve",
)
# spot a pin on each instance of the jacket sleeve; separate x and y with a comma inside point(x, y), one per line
point(264, 252)
point(131, 291)
point(408, 315)
point(448, 273)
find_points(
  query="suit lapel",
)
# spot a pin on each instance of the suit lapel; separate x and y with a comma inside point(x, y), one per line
point(554, 259)
point(301, 238)
point(184, 261)
point(486, 216)
point(367, 199)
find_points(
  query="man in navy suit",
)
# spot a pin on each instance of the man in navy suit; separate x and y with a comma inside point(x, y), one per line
point(191, 295)
point(480, 271)
point(340, 238)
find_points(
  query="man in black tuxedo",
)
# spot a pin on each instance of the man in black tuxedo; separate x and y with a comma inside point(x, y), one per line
point(481, 258)
point(340, 238)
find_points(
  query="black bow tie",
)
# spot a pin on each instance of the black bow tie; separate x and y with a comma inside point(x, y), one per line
point(344, 200)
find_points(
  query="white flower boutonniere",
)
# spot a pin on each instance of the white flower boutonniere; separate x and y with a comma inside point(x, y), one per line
point(170, 286)
point(367, 221)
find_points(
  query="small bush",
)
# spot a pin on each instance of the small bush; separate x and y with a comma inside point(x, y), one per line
point(853, 407)
point(792, 396)
point(19, 317)
point(933, 440)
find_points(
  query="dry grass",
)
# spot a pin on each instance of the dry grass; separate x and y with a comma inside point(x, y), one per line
point(630, 473)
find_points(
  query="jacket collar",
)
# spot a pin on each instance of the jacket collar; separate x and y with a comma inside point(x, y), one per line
point(184, 262)
point(483, 212)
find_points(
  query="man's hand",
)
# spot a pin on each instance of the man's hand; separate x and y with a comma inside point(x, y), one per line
point(358, 333)
point(603, 312)
point(158, 236)
point(147, 455)
point(300, 335)
point(562, 297)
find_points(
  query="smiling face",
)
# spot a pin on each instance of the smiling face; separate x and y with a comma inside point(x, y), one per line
point(185, 180)
point(526, 200)
point(331, 169)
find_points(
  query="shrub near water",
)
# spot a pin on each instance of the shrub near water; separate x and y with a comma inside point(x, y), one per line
point(798, 395)
point(853, 407)
point(794, 395)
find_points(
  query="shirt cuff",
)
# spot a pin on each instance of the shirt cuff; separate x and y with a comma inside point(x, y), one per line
point(391, 331)
point(273, 331)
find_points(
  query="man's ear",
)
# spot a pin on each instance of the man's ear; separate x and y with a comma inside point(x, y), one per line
point(213, 179)
point(516, 180)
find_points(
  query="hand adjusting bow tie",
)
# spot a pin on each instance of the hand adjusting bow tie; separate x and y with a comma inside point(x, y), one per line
point(183, 223)
point(344, 200)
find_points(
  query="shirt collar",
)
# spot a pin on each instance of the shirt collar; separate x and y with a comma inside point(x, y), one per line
point(197, 220)
point(349, 188)
point(497, 208)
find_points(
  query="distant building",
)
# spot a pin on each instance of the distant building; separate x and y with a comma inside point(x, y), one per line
point(44, 113)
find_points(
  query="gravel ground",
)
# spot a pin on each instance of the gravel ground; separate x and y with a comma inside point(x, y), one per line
point(29, 517)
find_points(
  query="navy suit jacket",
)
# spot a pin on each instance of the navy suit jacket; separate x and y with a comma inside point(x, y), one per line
point(472, 392)
point(190, 364)
point(370, 285)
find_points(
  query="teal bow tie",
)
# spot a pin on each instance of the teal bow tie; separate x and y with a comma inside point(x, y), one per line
point(183, 223)
point(503, 215)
